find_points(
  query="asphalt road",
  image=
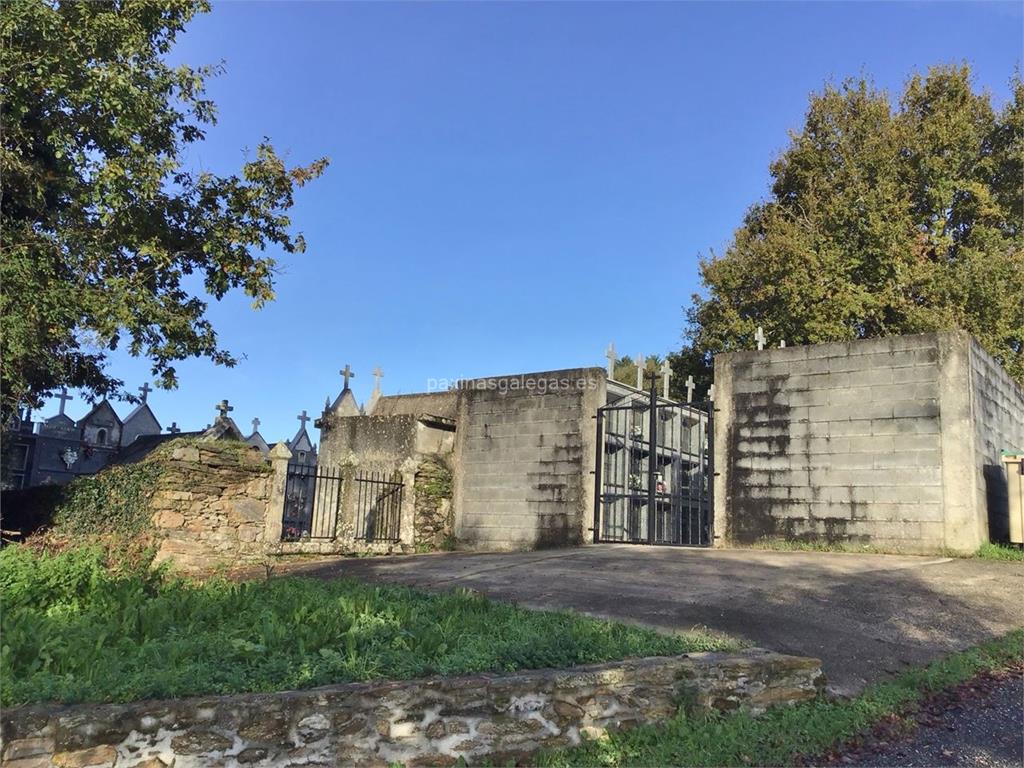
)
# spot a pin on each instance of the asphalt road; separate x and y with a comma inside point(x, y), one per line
point(864, 616)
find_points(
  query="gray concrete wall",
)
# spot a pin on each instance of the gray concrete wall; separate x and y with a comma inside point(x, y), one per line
point(867, 442)
point(997, 402)
point(525, 447)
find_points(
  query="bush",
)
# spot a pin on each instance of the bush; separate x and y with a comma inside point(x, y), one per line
point(75, 631)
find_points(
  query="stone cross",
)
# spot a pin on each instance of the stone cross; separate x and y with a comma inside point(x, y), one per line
point(666, 375)
point(640, 365)
point(689, 388)
point(256, 425)
point(347, 373)
point(224, 408)
point(302, 417)
point(759, 338)
point(327, 403)
point(145, 389)
point(378, 374)
point(63, 397)
point(174, 428)
point(610, 354)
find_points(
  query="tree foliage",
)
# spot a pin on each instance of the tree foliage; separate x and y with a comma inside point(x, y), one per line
point(103, 225)
point(882, 220)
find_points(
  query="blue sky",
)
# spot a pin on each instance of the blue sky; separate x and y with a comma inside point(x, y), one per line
point(512, 186)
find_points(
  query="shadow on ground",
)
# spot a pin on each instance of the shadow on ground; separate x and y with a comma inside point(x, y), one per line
point(865, 616)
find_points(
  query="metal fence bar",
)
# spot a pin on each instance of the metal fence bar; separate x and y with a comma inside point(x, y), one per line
point(378, 507)
point(312, 503)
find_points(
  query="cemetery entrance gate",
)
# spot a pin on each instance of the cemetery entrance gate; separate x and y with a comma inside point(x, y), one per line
point(654, 472)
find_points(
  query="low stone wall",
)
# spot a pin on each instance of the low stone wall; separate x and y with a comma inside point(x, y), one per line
point(210, 505)
point(419, 722)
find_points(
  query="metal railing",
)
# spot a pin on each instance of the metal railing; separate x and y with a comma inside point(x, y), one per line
point(378, 507)
point(312, 502)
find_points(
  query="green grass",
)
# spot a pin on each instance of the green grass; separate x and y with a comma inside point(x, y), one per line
point(780, 735)
point(1005, 552)
point(73, 630)
point(987, 551)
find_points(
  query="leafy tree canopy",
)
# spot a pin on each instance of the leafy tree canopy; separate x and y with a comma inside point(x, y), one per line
point(883, 219)
point(102, 223)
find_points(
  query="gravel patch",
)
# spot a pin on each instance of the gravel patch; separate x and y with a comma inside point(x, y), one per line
point(984, 727)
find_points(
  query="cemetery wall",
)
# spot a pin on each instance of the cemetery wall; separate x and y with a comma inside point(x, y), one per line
point(437, 721)
point(210, 505)
point(525, 447)
point(874, 442)
point(997, 402)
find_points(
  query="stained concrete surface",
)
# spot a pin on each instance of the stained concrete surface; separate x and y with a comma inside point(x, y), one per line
point(865, 616)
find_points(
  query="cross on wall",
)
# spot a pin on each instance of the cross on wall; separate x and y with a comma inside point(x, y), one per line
point(759, 337)
point(347, 373)
point(378, 374)
point(145, 389)
point(256, 425)
point(63, 397)
point(303, 418)
point(224, 408)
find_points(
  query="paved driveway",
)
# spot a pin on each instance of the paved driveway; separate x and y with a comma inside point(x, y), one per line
point(865, 616)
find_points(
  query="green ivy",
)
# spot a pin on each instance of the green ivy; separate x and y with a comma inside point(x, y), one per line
point(116, 501)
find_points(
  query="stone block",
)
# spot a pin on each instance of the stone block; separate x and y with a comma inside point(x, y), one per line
point(102, 755)
point(17, 749)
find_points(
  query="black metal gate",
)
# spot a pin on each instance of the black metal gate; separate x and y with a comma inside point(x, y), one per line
point(312, 501)
point(378, 507)
point(653, 479)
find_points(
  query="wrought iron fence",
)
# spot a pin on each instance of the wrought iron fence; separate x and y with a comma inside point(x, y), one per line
point(378, 507)
point(312, 500)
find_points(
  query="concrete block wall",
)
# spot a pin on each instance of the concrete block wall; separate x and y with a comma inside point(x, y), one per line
point(997, 402)
point(866, 442)
point(525, 448)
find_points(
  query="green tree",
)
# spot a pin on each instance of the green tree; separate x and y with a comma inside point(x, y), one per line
point(102, 223)
point(882, 220)
point(625, 369)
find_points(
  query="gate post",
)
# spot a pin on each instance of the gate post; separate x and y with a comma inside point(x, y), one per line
point(652, 445)
point(711, 473)
point(274, 518)
point(598, 466)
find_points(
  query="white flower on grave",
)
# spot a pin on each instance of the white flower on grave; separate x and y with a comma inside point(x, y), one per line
point(69, 456)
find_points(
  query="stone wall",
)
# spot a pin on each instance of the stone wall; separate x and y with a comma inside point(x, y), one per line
point(433, 524)
point(997, 402)
point(418, 722)
point(400, 447)
point(210, 505)
point(867, 442)
point(525, 447)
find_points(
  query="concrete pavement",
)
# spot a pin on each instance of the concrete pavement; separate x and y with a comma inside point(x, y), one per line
point(864, 616)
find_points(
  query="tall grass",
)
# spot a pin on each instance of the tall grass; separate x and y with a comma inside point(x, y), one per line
point(74, 631)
